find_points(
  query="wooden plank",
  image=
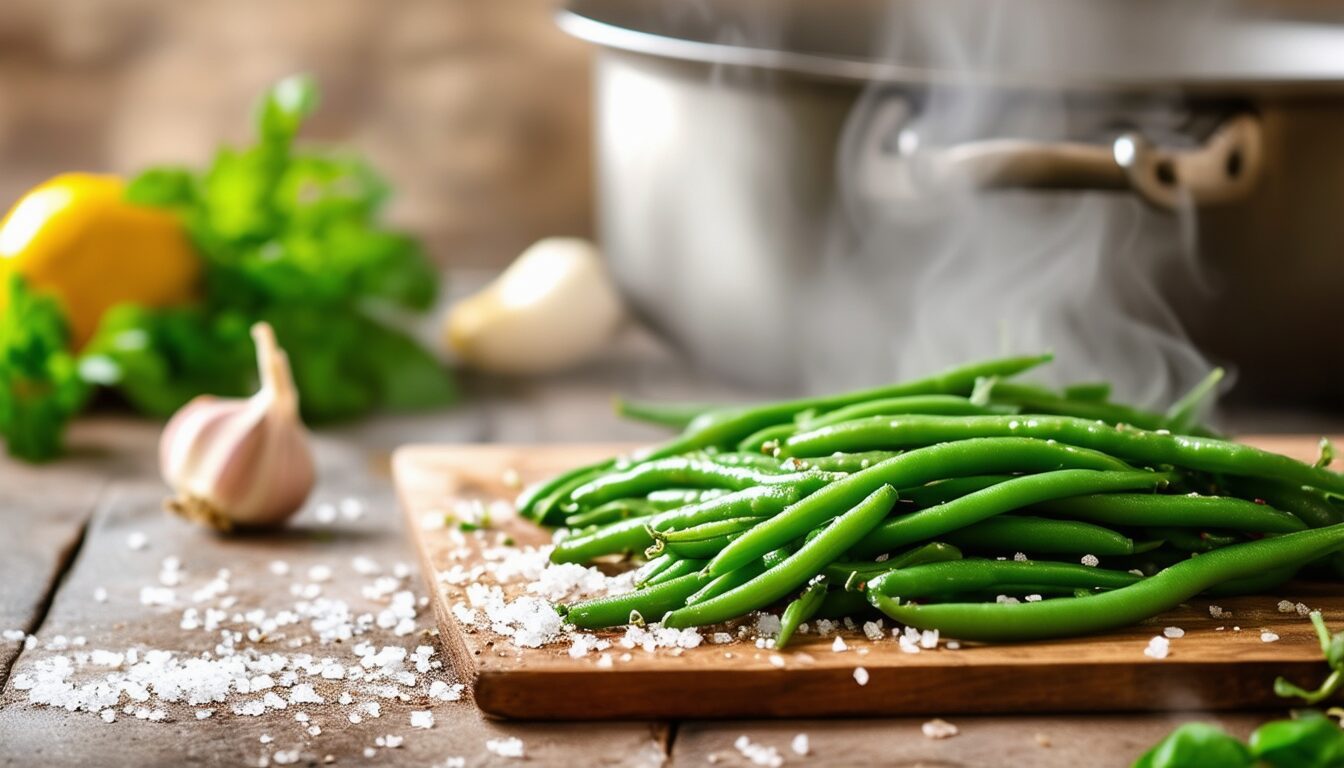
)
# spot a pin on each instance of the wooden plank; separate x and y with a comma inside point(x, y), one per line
point(1050, 741)
point(1220, 664)
point(43, 510)
point(32, 734)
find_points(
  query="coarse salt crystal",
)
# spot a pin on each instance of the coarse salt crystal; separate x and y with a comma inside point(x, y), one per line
point(839, 645)
point(1173, 632)
point(422, 719)
point(1091, 561)
point(938, 728)
point(758, 754)
point(279, 568)
point(1286, 606)
point(137, 541)
point(801, 744)
point(776, 660)
point(393, 742)
point(510, 747)
point(1158, 648)
point(860, 675)
point(1020, 557)
point(1268, 637)
point(100, 595)
point(1217, 612)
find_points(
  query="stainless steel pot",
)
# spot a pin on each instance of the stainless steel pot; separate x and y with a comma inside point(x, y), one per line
point(760, 161)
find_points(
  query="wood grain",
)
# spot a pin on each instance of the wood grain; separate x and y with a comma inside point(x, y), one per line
point(131, 502)
point(1208, 669)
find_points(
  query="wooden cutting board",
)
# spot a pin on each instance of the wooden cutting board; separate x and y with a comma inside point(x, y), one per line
point(1219, 664)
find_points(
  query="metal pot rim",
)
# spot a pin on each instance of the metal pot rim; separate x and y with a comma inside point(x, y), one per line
point(1222, 53)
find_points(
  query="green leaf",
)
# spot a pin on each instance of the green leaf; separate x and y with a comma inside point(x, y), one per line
point(40, 387)
point(164, 187)
point(283, 108)
point(1197, 745)
point(1311, 740)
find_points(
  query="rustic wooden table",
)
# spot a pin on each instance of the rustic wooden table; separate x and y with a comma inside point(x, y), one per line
point(70, 577)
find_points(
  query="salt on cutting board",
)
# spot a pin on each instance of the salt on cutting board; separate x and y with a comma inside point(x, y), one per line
point(491, 590)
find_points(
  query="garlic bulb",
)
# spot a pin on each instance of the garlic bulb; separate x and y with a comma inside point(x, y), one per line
point(552, 308)
point(240, 462)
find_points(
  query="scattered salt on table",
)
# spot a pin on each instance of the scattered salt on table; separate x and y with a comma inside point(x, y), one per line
point(938, 728)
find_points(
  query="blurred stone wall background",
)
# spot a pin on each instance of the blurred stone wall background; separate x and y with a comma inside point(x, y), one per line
point(477, 110)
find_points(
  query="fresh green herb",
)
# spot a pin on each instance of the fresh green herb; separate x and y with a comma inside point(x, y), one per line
point(290, 235)
point(40, 386)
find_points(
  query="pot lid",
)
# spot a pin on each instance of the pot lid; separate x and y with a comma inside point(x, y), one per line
point(1057, 43)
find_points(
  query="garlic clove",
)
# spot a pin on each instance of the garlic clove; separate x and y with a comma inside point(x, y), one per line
point(553, 308)
point(241, 462)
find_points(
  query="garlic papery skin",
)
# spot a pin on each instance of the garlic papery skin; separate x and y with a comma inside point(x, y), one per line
point(553, 308)
point(241, 463)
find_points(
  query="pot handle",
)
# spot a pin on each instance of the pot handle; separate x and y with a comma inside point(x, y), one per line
point(1224, 169)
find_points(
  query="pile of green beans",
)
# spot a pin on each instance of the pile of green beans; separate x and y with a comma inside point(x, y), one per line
point(967, 502)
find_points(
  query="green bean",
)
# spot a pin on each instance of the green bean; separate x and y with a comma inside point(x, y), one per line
point(621, 509)
point(799, 610)
point(720, 584)
point(1182, 511)
point(966, 457)
point(1035, 401)
point(759, 440)
point(979, 575)
point(1183, 414)
point(1088, 390)
point(1042, 536)
point(1201, 453)
point(932, 494)
point(676, 471)
point(1076, 616)
point(840, 462)
point(710, 530)
point(841, 534)
point(633, 534)
point(1306, 504)
point(945, 405)
point(677, 415)
point(680, 567)
point(671, 498)
point(697, 549)
point(650, 602)
point(843, 571)
point(997, 499)
point(757, 461)
point(1193, 541)
point(541, 503)
point(652, 568)
point(720, 428)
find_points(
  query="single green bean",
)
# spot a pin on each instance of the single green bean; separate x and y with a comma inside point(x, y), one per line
point(723, 428)
point(1181, 511)
point(697, 549)
point(671, 498)
point(1035, 401)
point(621, 509)
point(946, 405)
point(1088, 390)
point(966, 457)
point(633, 534)
point(1258, 584)
point(680, 567)
point(845, 571)
point(676, 415)
point(1188, 540)
point(1076, 616)
point(932, 494)
point(841, 534)
point(1201, 453)
point(711, 530)
point(720, 584)
point(1042, 536)
point(840, 462)
point(651, 602)
point(799, 610)
point(980, 575)
point(1007, 496)
point(652, 568)
point(680, 472)
point(1184, 413)
point(1309, 505)
point(839, 603)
